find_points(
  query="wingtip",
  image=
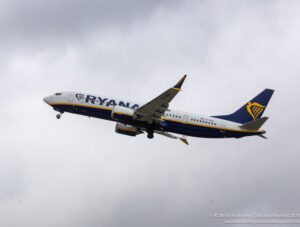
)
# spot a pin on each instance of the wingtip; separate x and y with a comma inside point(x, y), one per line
point(185, 141)
point(179, 84)
point(270, 89)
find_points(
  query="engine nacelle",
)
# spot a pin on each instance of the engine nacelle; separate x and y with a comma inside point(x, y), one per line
point(126, 130)
point(122, 113)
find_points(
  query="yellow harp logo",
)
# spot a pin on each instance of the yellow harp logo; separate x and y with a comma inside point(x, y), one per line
point(255, 109)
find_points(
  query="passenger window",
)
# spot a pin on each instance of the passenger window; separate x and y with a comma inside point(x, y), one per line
point(58, 93)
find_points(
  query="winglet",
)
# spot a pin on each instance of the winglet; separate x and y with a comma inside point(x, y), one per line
point(184, 140)
point(179, 84)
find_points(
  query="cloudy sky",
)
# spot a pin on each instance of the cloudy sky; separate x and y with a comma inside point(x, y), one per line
point(77, 172)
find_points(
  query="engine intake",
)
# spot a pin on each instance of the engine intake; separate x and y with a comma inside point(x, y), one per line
point(122, 113)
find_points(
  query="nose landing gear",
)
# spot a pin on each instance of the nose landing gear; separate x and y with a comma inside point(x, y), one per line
point(58, 116)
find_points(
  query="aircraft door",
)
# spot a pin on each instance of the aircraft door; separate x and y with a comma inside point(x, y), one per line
point(222, 129)
point(71, 99)
point(185, 118)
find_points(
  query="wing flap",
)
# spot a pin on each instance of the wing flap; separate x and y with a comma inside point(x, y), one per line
point(169, 135)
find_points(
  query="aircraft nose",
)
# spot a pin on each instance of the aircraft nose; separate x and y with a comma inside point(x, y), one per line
point(47, 99)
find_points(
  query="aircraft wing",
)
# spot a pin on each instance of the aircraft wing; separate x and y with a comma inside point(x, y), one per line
point(154, 109)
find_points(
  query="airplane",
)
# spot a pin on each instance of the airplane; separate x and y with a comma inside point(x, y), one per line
point(133, 119)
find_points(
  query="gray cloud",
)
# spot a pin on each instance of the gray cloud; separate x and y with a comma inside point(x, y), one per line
point(63, 22)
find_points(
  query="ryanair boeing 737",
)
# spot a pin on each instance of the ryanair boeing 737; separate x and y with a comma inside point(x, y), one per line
point(155, 116)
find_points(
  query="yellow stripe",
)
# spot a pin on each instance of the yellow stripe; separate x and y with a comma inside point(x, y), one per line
point(178, 89)
point(258, 109)
point(256, 115)
point(124, 114)
point(127, 130)
point(180, 80)
point(72, 104)
point(207, 126)
point(97, 107)
point(254, 109)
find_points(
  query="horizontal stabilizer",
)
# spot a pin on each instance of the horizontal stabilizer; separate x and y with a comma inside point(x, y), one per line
point(262, 136)
point(254, 125)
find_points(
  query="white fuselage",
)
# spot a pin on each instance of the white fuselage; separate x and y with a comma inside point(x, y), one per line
point(76, 99)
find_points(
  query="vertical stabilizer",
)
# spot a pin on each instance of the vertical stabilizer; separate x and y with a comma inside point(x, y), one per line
point(252, 110)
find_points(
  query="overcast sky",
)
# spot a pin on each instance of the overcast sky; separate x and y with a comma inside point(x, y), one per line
point(77, 172)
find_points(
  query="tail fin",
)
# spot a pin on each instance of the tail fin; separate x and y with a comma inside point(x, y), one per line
point(252, 110)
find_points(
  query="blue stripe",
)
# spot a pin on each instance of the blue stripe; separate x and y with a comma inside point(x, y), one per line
point(202, 131)
point(168, 125)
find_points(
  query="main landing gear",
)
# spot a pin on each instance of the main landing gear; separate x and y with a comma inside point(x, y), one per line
point(150, 134)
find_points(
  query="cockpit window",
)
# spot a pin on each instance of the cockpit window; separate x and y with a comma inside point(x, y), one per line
point(58, 93)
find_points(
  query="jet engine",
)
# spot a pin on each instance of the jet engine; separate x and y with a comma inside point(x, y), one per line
point(122, 113)
point(127, 130)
